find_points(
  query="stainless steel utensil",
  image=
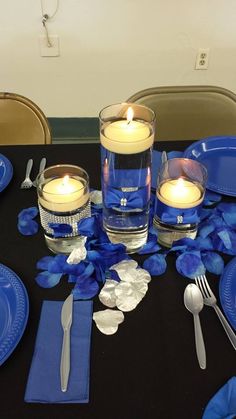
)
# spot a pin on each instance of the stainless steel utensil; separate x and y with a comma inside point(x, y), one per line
point(209, 299)
point(41, 168)
point(193, 301)
point(66, 321)
point(27, 182)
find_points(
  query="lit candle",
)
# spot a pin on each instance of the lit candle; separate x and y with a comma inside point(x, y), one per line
point(180, 193)
point(63, 194)
point(127, 136)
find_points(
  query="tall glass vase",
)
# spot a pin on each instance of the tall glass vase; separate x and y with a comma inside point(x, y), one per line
point(127, 135)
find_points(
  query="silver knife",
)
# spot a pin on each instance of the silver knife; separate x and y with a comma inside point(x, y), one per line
point(41, 168)
point(66, 322)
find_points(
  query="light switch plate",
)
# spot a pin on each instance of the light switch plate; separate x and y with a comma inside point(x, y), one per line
point(45, 49)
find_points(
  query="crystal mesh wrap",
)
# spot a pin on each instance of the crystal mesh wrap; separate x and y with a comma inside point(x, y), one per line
point(72, 219)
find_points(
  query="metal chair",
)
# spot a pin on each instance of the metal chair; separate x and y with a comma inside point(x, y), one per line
point(190, 112)
point(22, 121)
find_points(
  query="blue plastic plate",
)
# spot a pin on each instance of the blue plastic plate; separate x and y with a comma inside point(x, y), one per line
point(218, 154)
point(227, 292)
point(6, 172)
point(14, 311)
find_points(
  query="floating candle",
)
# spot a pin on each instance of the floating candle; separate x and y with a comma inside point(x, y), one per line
point(127, 136)
point(63, 194)
point(180, 193)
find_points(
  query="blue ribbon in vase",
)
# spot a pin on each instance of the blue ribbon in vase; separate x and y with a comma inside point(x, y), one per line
point(127, 199)
point(173, 216)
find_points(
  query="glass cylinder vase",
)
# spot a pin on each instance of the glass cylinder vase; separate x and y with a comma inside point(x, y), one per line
point(127, 135)
point(179, 196)
point(63, 200)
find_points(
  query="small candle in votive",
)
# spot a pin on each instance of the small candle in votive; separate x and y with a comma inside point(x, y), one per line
point(180, 193)
point(63, 194)
point(127, 136)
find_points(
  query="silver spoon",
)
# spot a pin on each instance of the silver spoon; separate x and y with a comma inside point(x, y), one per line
point(193, 301)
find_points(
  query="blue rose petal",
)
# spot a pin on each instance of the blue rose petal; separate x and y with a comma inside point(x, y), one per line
point(155, 264)
point(85, 289)
point(213, 262)
point(189, 264)
point(48, 280)
point(44, 262)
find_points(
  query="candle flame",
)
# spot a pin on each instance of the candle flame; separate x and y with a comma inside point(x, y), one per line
point(130, 115)
point(65, 180)
point(180, 183)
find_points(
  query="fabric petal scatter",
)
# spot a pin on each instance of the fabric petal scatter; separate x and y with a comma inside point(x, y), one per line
point(189, 264)
point(155, 264)
point(85, 289)
point(107, 321)
point(26, 225)
point(79, 253)
point(48, 280)
point(107, 295)
point(213, 262)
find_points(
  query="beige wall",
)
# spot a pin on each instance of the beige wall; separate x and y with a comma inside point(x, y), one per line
point(110, 49)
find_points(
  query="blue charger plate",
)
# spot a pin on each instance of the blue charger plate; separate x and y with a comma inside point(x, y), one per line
point(227, 292)
point(14, 311)
point(218, 154)
point(6, 172)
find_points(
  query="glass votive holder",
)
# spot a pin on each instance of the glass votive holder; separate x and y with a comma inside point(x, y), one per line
point(63, 200)
point(179, 196)
point(126, 135)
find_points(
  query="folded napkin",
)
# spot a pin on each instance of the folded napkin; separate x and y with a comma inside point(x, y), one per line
point(43, 384)
point(223, 404)
point(156, 163)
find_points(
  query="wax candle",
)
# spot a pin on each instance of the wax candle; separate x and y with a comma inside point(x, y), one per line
point(127, 136)
point(63, 194)
point(180, 193)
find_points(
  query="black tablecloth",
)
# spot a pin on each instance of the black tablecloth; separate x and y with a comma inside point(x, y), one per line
point(148, 369)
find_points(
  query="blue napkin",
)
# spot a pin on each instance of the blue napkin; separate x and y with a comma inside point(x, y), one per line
point(223, 404)
point(156, 163)
point(43, 384)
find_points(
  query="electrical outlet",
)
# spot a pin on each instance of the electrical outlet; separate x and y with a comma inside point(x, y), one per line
point(202, 59)
point(49, 47)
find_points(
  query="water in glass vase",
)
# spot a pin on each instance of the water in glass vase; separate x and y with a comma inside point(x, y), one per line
point(126, 198)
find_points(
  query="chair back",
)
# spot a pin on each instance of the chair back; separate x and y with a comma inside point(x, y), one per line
point(22, 121)
point(190, 112)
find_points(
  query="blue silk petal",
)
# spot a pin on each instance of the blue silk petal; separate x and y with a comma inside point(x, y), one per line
point(48, 280)
point(44, 262)
point(204, 244)
point(56, 265)
point(85, 289)
point(111, 253)
point(27, 213)
point(205, 229)
point(88, 226)
point(213, 262)
point(155, 264)
point(225, 237)
point(205, 213)
point(27, 227)
point(189, 264)
point(74, 268)
point(88, 271)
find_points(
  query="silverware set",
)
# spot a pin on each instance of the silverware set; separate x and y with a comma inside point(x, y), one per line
point(195, 296)
point(27, 182)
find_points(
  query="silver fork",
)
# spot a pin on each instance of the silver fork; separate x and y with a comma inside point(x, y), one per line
point(27, 182)
point(41, 168)
point(210, 300)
